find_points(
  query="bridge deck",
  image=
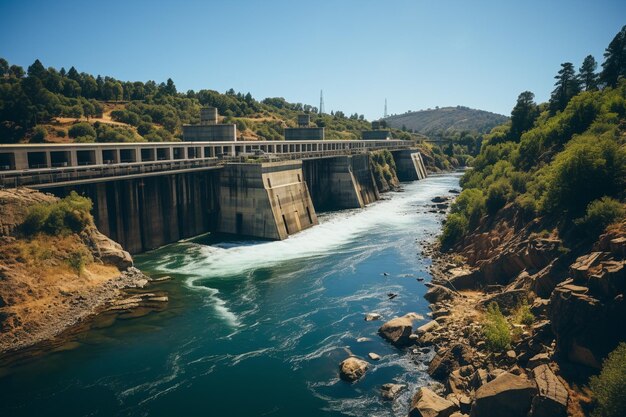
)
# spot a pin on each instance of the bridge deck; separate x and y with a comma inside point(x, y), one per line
point(46, 165)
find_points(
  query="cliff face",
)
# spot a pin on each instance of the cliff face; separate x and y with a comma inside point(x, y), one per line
point(579, 290)
point(50, 283)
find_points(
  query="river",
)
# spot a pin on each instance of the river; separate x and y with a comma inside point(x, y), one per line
point(254, 328)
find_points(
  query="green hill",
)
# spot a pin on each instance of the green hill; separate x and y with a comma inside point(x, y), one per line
point(447, 119)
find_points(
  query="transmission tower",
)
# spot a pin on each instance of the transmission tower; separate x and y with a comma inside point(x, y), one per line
point(385, 115)
point(321, 110)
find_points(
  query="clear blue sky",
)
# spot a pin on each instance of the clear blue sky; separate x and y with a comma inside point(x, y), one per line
point(417, 54)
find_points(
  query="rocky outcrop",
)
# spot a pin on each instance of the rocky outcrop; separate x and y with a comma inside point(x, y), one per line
point(450, 359)
point(437, 293)
point(352, 369)
point(398, 330)
point(426, 403)
point(507, 395)
point(551, 398)
point(106, 250)
point(390, 391)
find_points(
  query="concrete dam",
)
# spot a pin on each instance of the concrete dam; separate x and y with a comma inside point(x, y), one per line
point(143, 207)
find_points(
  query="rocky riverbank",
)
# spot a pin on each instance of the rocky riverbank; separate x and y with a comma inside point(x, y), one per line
point(45, 297)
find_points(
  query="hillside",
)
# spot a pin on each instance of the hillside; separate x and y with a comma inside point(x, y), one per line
point(447, 119)
point(43, 104)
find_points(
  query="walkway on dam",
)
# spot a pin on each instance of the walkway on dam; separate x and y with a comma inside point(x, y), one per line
point(48, 165)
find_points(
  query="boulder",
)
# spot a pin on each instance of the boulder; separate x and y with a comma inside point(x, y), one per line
point(352, 369)
point(398, 330)
point(391, 391)
point(538, 359)
point(428, 327)
point(374, 356)
point(372, 317)
point(426, 403)
point(107, 250)
point(551, 399)
point(450, 359)
point(437, 293)
point(507, 395)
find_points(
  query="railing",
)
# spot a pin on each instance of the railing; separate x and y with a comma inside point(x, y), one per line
point(61, 175)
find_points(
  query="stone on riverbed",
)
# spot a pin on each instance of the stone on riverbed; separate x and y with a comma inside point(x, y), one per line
point(398, 330)
point(352, 369)
point(372, 317)
point(374, 356)
point(426, 403)
point(391, 391)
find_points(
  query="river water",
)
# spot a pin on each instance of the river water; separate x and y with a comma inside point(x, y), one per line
point(254, 328)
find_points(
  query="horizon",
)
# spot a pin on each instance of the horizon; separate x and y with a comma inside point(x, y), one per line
point(356, 67)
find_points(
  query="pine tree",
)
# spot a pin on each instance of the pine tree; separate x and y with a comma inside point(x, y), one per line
point(567, 86)
point(587, 74)
point(523, 115)
point(614, 65)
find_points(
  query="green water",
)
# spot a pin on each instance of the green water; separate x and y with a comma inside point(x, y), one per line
point(254, 328)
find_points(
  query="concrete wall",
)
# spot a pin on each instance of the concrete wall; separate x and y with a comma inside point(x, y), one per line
point(340, 182)
point(376, 134)
point(269, 200)
point(218, 133)
point(143, 214)
point(409, 165)
point(304, 133)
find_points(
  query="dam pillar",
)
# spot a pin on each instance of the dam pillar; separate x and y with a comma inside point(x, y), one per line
point(340, 182)
point(265, 200)
point(409, 165)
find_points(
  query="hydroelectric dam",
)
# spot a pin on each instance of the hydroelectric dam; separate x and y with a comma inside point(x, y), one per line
point(148, 194)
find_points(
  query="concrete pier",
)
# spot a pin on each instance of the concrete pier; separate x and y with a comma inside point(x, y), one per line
point(409, 165)
point(266, 200)
point(340, 182)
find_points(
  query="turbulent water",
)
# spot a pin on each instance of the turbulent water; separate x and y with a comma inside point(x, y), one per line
point(254, 328)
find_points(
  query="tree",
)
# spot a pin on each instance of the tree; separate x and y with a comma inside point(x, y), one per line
point(37, 70)
point(523, 115)
point(614, 65)
point(4, 67)
point(567, 86)
point(587, 74)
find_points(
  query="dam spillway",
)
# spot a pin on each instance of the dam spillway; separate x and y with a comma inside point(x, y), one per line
point(149, 195)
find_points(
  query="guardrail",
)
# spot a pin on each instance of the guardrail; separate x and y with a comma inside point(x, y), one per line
point(61, 175)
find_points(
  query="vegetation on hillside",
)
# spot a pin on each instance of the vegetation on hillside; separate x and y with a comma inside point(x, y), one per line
point(43, 104)
point(68, 215)
point(565, 159)
point(446, 120)
point(609, 387)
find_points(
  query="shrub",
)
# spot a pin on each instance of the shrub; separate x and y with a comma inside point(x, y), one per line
point(85, 139)
point(497, 195)
point(77, 261)
point(455, 228)
point(70, 214)
point(601, 213)
point(522, 314)
point(471, 204)
point(609, 387)
point(496, 329)
point(81, 129)
point(61, 133)
point(39, 134)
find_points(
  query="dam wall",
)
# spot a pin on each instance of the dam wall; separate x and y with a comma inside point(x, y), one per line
point(340, 182)
point(409, 165)
point(266, 200)
point(146, 213)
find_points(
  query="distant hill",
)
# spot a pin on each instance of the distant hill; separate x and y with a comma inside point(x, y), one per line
point(443, 119)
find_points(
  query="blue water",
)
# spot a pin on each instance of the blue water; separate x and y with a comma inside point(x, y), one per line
point(254, 328)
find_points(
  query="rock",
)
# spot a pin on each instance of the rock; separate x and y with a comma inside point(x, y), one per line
point(510, 354)
point(507, 395)
point(439, 199)
point(437, 293)
point(479, 378)
point(538, 359)
point(373, 356)
point(539, 307)
point(507, 300)
point(105, 249)
point(551, 399)
point(448, 360)
point(352, 369)
point(372, 317)
point(391, 391)
point(426, 403)
point(397, 330)
point(428, 327)
point(363, 339)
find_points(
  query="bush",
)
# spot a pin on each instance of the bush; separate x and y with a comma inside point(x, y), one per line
point(471, 204)
point(39, 134)
point(522, 314)
point(496, 329)
point(61, 133)
point(71, 214)
point(497, 195)
point(77, 261)
point(601, 213)
point(81, 129)
point(455, 228)
point(609, 387)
